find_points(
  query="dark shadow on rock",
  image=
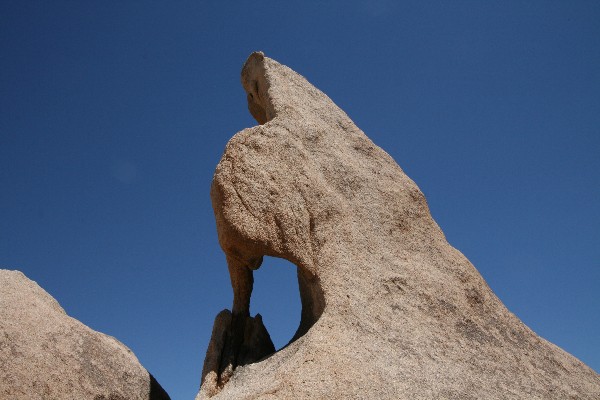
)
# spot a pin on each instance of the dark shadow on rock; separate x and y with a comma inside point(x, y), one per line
point(235, 341)
point(156, 391)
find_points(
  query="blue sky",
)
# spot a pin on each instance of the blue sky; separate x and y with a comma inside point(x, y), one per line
point(113, 116)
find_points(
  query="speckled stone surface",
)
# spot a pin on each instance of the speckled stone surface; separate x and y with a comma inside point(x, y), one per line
point(390, 309)
point(45, 354)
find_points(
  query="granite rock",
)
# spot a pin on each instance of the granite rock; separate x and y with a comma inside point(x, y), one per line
point(45, 354)
point(390, 310)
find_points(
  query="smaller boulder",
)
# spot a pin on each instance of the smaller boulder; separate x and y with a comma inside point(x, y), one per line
point(45, 354)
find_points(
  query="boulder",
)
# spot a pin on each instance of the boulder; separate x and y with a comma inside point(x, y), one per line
point(390, 310)
point(45, 354)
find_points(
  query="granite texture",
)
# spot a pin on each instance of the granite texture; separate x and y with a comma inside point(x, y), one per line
point(45, 354)
point(389, 309)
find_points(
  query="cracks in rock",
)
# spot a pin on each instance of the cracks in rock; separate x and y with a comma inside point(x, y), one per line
point(246, 207)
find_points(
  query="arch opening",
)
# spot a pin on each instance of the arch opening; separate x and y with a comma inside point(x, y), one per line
point(238, 338)
point(276, 298)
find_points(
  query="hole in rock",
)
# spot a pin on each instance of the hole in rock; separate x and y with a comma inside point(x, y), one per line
point(276, 297)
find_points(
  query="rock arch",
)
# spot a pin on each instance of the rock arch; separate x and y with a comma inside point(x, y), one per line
point(389, 309)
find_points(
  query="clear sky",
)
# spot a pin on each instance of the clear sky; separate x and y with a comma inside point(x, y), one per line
point(113, 116)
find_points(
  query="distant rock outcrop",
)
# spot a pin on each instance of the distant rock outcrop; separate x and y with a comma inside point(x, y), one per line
point(45, 354)
point(389, 309)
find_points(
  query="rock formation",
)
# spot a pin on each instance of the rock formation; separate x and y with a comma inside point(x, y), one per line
point(389, 309)
point(45, 354)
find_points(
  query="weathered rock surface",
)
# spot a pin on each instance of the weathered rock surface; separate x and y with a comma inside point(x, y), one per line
point(389, 309)
point(45, 354)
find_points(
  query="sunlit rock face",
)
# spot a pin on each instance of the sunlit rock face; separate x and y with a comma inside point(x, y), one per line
point(389, 309)
point(45, 354)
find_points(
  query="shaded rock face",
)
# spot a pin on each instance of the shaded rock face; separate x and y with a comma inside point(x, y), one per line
point(389, 309)
point(233, 343)
point(45, 354)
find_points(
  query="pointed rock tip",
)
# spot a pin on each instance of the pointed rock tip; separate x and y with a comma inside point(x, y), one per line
point(255, 84)
point(254, 57)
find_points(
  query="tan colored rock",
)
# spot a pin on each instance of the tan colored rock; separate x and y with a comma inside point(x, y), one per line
point(390, 309)
point(45, 354)
point(222, 354)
